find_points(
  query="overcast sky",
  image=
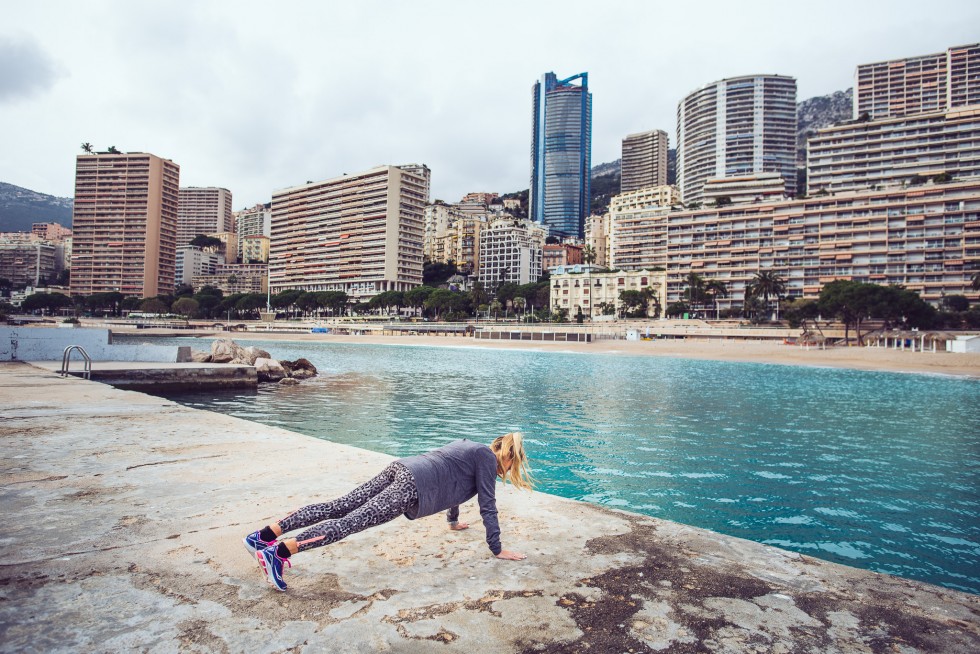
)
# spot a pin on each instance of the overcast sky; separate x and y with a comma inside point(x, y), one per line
point(257, 96)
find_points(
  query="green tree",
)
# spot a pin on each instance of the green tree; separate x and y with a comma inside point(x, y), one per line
point(207, 242)
point(417, 297)
point(677, 309)
point(632, 304)
point(715, 289)
point(153, 305)
point(956, 302)
point(443, 301)
point(695, 291)
point(766, 284)
point(435, 273)
point(588, 254)
point(112, 150)
point(185, 306)
point(87, 147)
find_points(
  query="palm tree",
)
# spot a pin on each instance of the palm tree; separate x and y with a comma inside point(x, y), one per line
point(588, 254)
point(87, 147)
point(767, 284)
point(975, 281)
point(695, 291)
point(715, 289)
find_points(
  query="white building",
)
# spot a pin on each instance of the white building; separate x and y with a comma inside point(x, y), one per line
point(511, 251)
point(194, 262)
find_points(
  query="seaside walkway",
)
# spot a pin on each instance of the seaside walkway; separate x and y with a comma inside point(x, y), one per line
point(124, 514)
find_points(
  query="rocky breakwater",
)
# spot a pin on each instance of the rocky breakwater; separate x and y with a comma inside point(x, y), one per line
point(267, 369)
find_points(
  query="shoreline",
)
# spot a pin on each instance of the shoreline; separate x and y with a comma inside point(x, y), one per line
point(876, 359)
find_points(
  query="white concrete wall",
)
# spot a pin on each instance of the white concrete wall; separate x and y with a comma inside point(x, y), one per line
point(48, 344)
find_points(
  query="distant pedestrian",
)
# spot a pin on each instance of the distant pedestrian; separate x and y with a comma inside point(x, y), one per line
point(416, 486)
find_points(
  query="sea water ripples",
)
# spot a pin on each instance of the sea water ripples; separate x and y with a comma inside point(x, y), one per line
point(876, 470)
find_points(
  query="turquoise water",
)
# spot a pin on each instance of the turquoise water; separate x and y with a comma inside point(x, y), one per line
point(874, 470)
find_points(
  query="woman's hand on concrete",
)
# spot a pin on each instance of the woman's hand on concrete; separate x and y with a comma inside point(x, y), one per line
point(459, 526)
point(511, 556)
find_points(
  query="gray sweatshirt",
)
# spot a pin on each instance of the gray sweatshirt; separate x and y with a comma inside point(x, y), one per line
point(451, 475)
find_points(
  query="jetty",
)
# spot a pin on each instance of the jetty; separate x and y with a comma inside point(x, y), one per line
point(124, 514)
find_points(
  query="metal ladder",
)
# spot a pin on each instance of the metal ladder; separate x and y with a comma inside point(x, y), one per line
point(66, 359)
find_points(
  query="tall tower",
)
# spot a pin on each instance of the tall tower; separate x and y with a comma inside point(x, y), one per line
point(561, 154)
point(736, 128)
point(124, 224)
point(203, 211)
point(644, 160)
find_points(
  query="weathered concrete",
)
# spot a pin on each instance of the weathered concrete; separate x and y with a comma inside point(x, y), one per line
point(123, 516)
point(164, 377)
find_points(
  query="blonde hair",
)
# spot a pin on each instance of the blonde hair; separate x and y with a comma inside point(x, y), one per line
point(519, 472)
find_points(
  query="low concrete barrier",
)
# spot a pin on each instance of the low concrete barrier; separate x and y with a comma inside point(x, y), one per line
point(48, 344)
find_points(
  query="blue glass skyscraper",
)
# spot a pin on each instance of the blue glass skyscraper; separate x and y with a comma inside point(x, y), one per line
point(561, 154)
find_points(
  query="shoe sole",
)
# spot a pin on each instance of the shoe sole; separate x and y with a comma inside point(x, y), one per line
point(256, 554)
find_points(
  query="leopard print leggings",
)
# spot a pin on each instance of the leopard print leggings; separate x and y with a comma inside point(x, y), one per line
point(384, 498)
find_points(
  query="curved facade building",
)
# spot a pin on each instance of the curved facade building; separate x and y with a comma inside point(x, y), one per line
point(561, 154)
point(735, 128)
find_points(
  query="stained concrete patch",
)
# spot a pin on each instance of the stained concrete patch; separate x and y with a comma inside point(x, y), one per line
point(135, 507)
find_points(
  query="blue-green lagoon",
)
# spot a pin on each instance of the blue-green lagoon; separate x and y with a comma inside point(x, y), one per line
point(871, 469)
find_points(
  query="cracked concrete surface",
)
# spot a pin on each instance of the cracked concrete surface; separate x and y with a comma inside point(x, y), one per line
point(125, 514)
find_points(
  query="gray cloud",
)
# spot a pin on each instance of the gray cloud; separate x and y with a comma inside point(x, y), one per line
point(26, 69)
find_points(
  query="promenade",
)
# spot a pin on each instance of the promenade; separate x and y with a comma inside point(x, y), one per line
point(124, 514)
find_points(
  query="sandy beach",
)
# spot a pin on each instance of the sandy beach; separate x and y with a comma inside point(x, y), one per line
point(858, 358)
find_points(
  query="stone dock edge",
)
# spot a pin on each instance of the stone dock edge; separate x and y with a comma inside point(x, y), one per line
point(125, 514)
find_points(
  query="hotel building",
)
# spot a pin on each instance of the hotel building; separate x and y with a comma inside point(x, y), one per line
point(930, 83)
point(361, 234)
point(124, 224)
point(561, 154)
point(736, 127)
point(925, 238)
point(644, 160)
point(203, 211)
point(511, 251)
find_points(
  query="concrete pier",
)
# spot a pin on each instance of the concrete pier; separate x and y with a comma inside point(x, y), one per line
point(124, 514)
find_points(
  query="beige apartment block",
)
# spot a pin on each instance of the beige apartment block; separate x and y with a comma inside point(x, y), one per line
point(931, 83)
point(124, 224)
point(452, 233)
point(644, 160)
point(597, 238)
point(255, 249)
point(587, 288)
point(229, 245)
point(255, 221)
point(203, 211)
point(636, 235)
point(236, 278)
point(360, 233)
point(661, 196)
point(558, 255)
point(761, 187)
point(924, 238)
point(894, 151)
point(511, 251)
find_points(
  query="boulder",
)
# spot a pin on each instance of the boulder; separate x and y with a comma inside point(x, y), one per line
point(269, 370)
point(299, 369)
point(289, 381)
point(249, 355)
point(225, 350)
point(197, 356)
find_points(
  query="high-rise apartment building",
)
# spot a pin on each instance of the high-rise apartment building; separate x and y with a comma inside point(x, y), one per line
point(644, 160)
point(193, 261)
point(561, 154)
point(28, 260)
point(124, 224)
point(360, 233)
point(926, 239)
point(256, 221)
point(894, 151)
point(736, 127)
point(203, 211)
point(930, 83)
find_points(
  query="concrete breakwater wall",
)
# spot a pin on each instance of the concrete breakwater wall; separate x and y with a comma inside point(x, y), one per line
point(125, 513)
point(48, 344)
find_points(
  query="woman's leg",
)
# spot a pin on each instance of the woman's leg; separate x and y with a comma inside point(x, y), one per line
point(392, 501)
point(338, 508)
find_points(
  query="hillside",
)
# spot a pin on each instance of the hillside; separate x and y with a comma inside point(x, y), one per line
point(21, 207)
point(818, 112)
